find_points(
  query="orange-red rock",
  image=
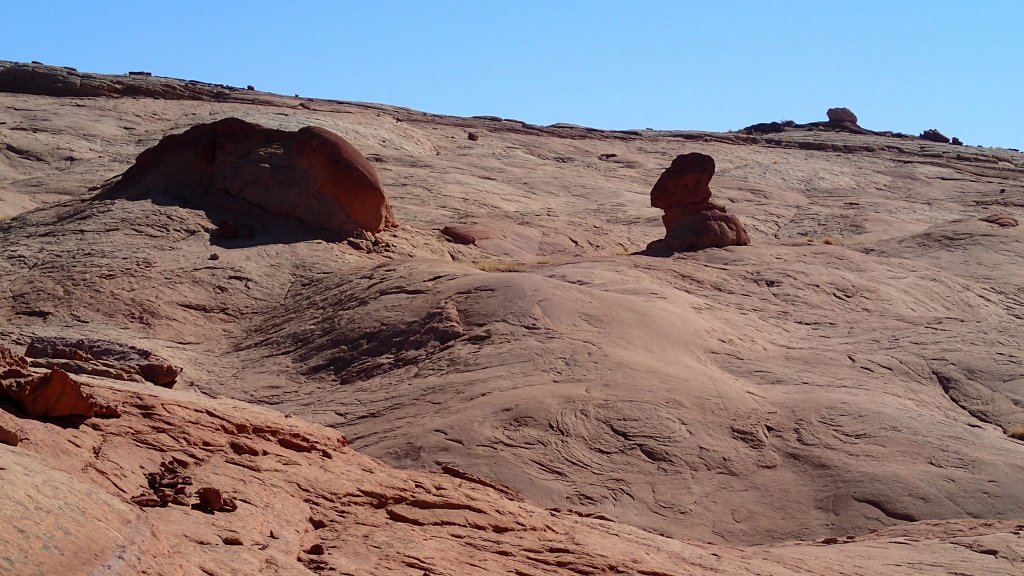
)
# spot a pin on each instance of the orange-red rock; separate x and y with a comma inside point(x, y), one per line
point(692, 221)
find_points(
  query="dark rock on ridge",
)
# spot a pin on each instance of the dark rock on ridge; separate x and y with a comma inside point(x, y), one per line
point(312, 175)
point(692, 221)
point(934, 135)
point(43, 80)
point(765, 128)
point(841, 115)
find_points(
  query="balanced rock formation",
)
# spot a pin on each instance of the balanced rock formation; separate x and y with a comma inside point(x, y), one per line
point(692, 221)
point(839, 115)
point(312, 175)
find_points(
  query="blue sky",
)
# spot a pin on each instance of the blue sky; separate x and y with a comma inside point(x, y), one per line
point(899, 65)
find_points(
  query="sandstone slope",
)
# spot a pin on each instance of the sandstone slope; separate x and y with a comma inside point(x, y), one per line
point(857, 367)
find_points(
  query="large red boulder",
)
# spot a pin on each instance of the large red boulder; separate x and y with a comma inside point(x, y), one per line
point(692, 221)
point(312, 175)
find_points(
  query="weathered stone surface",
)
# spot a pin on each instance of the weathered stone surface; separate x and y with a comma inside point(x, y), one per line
point(778, 395)
point(841, 115)
point(312, 175)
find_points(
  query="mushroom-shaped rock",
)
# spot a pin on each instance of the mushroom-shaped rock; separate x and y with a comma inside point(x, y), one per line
point(312, 175)
point(839, 115)
point(692, 221)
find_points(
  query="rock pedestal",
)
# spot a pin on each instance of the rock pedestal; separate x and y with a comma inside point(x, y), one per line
point(692, 221)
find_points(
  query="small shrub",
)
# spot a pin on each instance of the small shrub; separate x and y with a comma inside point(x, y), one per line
point(497, 266)
point(826, 240)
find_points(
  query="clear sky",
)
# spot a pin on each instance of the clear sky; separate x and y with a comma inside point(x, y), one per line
point(900, 65)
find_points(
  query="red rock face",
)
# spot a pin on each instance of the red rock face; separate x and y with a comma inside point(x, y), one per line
point(692, 221)
point(312, 175)
point(50, 395)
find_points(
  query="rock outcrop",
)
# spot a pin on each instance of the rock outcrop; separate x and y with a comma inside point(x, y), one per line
point(50, 395)
point(692, 221)
point(101, 358)
point(933, 135)
point(312, 175)
point(1001, 219)
point(62, 81)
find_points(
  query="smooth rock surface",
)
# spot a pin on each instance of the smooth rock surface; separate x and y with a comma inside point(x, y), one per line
point(834, 398)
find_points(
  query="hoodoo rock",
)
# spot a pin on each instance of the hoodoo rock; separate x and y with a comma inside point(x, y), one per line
point(312, 175)
point(692, 221)
point(839, 115)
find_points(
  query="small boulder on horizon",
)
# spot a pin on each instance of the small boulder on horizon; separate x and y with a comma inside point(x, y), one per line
point(839, 115)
